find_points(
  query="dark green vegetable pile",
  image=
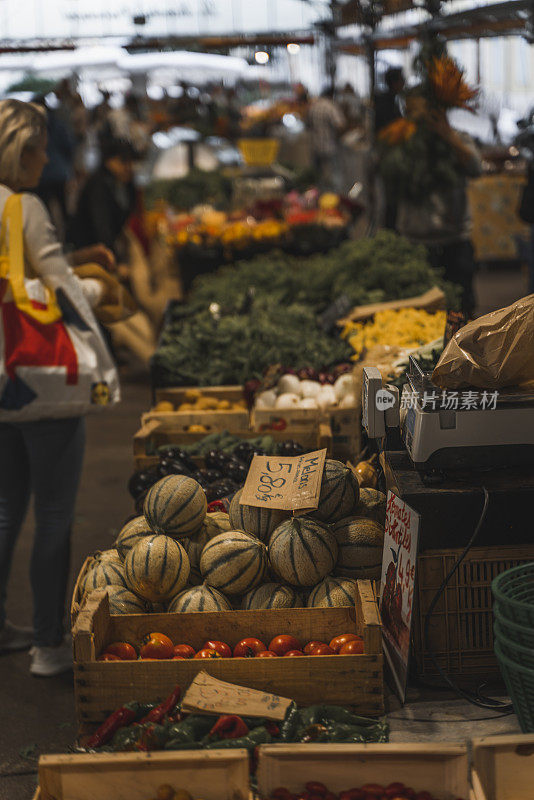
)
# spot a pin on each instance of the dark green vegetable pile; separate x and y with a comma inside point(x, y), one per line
point(266, 310)
point(195, 188)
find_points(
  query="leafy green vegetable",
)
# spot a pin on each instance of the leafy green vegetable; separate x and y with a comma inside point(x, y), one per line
point(198, 186)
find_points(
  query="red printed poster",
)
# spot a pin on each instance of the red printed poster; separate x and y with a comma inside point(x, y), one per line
point(397, 588)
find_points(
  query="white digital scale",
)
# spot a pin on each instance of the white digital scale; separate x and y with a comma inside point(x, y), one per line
point(499, 434)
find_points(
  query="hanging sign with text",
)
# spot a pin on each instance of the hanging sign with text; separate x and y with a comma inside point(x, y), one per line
point(397, 587)
point(288, 484)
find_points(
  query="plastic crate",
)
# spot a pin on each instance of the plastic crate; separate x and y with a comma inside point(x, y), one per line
point(461, 631)
point(514, 591)
point(520, 684)
point(518, 633)
point(524, 656)
point(259, 152)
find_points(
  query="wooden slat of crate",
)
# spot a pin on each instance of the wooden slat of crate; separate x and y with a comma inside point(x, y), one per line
point(214, 775)
point(344, 423)
point(212, 420)
point(175, 394)
point(503, 767)
point(354, 680)
point(441, 769)
point(77, 592)
point(293, 417)
point(155, 433)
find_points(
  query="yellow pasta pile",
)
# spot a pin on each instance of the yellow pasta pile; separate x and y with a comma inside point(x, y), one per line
point(408, 328)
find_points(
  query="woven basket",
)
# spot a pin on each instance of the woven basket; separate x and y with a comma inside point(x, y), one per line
point(513, 590)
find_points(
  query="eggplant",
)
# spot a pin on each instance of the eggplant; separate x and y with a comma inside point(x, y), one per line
point(216, 459)
point(290, 448)
point(177, 454)
point(210, 475)
point(173, 466)
point(219, 490)
point(142, 480)
point(245, 452)
point(237, 471)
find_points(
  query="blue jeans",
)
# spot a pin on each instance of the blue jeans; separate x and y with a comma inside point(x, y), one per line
point(44, 459)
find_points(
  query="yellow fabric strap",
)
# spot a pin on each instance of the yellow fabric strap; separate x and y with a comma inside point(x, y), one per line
point(12, 264)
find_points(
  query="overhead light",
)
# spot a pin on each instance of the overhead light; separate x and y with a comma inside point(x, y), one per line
point(293, 48)
point(261, 57)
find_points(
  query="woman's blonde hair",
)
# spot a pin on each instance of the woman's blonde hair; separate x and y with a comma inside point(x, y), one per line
point(21, 127)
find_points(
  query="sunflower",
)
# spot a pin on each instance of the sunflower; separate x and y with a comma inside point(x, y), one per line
point(398, 131)
point(448, 85)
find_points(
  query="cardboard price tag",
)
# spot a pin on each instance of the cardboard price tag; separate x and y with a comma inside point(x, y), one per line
point(287, 484)
point(211, 696)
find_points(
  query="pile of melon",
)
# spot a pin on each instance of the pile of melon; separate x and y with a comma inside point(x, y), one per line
point(179, 558)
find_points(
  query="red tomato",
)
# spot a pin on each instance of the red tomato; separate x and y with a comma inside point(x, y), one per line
point(330, 796)
point(156, 645)
point(309, 647)
point(109, 657)
point(184, 650)
point(397, 789)
point(177, 658)
point(223, 649)
point(373, 789)
point(282, 644)
point(249, 648)
point(351, 648)
point(207, 652)
point(314, 787)
point(355, 794)
point(293, 653)
point(267, 654)
point(123, 650)
point(338, 641)
point(322, 650)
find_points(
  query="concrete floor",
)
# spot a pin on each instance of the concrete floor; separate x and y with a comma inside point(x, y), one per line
point(37, 716)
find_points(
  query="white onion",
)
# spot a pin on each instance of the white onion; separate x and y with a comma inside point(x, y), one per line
point(349, 401)
point(288, 384)
point(309, 388)
point(326, 397)
point(266, 399)
point(344, 385)
point(287, 400)
point(308, 402)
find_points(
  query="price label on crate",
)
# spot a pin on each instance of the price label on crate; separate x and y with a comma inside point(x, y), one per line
point(287, 484)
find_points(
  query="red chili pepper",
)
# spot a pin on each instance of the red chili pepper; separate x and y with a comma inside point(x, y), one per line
point(161, 711)
point(272, 728)
point(229, 726)
point(123, 716)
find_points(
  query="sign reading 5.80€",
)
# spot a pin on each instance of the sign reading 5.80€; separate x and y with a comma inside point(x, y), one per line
point(287, 484)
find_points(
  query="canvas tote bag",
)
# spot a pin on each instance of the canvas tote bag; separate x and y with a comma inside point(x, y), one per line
point(53, 360)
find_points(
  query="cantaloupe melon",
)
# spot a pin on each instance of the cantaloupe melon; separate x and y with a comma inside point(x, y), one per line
point(372, 505)
point(302, 551)
point(340, 492)
point(176, 506)
point(361, 542)
point(156, 568)
point(111, 555)
point(333, 592)
point(233, 562)
point(122, 601)
point(199, 598)
point(102, 574)
point(216, 522)
point(134, 530)
point(259, 522)
point(193, 546)
point(269, 595)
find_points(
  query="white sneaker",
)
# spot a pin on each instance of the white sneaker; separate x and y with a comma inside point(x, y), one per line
point(49, 661)
point(13, 638)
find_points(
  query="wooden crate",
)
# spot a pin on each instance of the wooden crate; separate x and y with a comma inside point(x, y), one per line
point(211, 420)
point(356, 680)
point(155, 433)
point(77, 596)
point(461, 629)
point(343, 422)
point(503, 767)
point(213, 775)
point(441, 769)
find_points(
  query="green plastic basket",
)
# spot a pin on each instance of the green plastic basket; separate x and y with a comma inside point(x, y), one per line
point(520, 684)
point(522, 656)
point(517, 633)
point(514, 592)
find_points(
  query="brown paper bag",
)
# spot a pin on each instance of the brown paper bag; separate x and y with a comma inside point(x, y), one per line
point(491, 352)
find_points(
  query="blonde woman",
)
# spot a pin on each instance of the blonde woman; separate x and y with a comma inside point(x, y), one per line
point(41, 456)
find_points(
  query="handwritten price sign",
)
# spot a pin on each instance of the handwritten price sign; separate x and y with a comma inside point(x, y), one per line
point(287, 484)
point(397, 586)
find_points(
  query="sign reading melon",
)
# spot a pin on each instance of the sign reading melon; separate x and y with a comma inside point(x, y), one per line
point(398, 580)
point(288, 484)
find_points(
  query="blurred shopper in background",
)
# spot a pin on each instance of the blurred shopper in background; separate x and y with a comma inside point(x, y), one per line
point(351, 106)
point(387, 103)
point(326, 124)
